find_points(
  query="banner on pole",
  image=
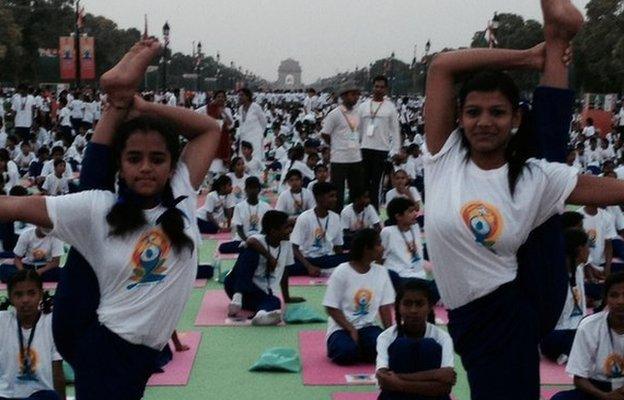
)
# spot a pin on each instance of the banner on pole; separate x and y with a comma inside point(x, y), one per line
point(87, 58)
point(67, 58)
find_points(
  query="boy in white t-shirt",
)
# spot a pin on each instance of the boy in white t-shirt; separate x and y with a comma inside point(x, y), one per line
point(253, 166)
point(321, 174)
point(357, 216)
point(356, 292)
point(259, 273)
point(414, 357)
point(600, 228)
point(317, 235)
point(38, 251)
point(247, 216)
point(24, 157)
point(402, 188)
point(296, 199)
point(56, 184)
point(216, 213)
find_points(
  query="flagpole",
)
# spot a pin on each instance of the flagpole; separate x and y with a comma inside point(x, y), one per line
point(78, 55)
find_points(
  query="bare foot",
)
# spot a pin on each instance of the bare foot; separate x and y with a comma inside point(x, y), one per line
point(562, 20)
point(128, 73)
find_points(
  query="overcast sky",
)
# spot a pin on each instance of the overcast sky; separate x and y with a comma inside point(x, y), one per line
point(325, 36)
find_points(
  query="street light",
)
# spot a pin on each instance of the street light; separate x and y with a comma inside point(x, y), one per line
point(198, 62)
point(166, 29)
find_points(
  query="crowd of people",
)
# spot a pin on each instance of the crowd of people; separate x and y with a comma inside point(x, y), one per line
point(321, 184)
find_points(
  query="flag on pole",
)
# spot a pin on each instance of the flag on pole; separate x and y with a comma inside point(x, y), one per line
point(145, 27)
point(80, 18)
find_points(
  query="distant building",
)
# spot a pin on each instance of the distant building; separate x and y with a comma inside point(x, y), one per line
point(289, 75)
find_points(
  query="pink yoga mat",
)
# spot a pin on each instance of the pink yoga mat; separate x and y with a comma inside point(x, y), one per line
point(178, 371)
point(307, 281)
point(355, 396)
point(218, 236)
point(441, 315)
point(553, 374)
point(318, 369)
point(547, 394)
point(213, 311)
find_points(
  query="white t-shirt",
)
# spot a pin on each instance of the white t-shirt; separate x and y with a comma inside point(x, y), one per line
point(387, 337)
point(77, 108)
point(594, 355)
point(575, 307)
point(392, 193)
point(216, 205)
point(355, 222)
point(599, 228)
point(379, 128)
point(403, 251)
point(316, 237)
point(14, 383)
point(358, 296)
point(144, 282)
point(23, 107)
point(48, 168)
point(254, 167)
point(37, 250)
point(475, 227)
point(55, 186)
point(618, 216)
point(23, 160)
point(294, 204)
point(252, 126)
point(63, 116)
point(249, 217)
point(284, 256)
point(238, 186)
point(342, 126)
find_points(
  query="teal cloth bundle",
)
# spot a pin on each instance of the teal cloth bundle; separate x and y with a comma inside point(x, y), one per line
point(302, 314)
point(278, 359)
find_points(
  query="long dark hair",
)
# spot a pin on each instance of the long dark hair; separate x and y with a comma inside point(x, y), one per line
point(410, 285)
point(574, 238)
point(127, 215)
point(521, 146)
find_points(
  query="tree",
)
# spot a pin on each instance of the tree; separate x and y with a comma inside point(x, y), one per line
point(10, 37)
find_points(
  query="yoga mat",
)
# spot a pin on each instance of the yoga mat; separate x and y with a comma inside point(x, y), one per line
point(441, 315)
point(547, 394)
point(227, 236)
point(360, 396)
point(224, 256)
point(307, 281)
point(213, 311)
point(178, 371)
point(318, 369)
point(200, 283)
point(553, 374)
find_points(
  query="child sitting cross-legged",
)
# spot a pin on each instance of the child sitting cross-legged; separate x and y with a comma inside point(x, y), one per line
point(259, 273)
point(357, 291)
point(296, 199)
point(358, 215)
point(216, 213)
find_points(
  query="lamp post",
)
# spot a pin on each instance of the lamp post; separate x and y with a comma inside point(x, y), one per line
point(166, 29)
point(198, 63)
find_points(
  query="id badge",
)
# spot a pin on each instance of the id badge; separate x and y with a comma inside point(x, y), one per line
point(353, 140)
point(370, 129)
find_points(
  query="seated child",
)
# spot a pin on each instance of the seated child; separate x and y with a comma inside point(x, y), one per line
point(596, 357)
point(56, 183)
point(358, 215)
point(403, 249)
point(356, 292)
point(216, 213)
point(57, 153)
point(253, 166)
point(35, 167)
point(321, 174)
point(30, 366)
point(247, 216)
point(237, 175)
point(415, 359)
point(401, 188)
point(38, 251)
point(557, 344)
point(255, 281)
point(317, 236)
point(296, 199)
point(24, 157)
point(295, 161)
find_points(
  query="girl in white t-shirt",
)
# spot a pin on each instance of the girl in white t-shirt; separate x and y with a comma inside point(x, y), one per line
point(357, 216)
point(402, 188)
point(597, 356)
point(30, 366)
point(415, 359)
point(356, 292)
point(216, 213)
point(296, 199)
point(237, 175)
point(142, 243)
point(485, 195)
point(557, 344)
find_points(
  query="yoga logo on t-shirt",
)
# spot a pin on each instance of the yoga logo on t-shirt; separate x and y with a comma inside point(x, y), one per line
point(27, 362)
point(39, 254)
point(591, 238)
point(484, 221)
point(149, 257)
point(614, 366)
point(362, 299)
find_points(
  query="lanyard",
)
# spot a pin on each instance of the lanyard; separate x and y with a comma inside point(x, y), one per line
point(351, 126)
point(360, 221)
point(373, 115)
point(411, 246)
point(25, 352)
point(298, 204)
point(318, 221)
point(253, 218)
